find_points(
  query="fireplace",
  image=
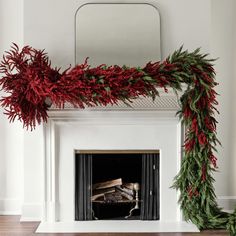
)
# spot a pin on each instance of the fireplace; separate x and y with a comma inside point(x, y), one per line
point(119, 131)
point(117, 185)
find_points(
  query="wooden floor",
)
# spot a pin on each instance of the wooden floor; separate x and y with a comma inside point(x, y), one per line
point(11, 226)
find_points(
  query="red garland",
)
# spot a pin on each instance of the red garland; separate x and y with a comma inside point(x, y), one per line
point(189, 145)
point(202, 139)
point(195, 125)
point(30, 80)
point(204, 172)
point(192, 192)
point(213, 159)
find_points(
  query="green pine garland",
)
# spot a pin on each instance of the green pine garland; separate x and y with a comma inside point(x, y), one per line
point(198, 204)
point(231, 224)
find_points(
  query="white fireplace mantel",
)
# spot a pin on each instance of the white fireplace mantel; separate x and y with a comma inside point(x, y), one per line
point(113, 128)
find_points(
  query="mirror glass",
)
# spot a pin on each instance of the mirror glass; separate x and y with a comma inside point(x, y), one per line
point(117, 34)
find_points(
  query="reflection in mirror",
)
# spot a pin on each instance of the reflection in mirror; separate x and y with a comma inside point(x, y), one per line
point(121, 34)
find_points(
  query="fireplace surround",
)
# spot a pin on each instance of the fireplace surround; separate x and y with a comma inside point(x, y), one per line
point(146, 126)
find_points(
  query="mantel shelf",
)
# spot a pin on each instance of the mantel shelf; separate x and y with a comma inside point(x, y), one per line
point(166, 101)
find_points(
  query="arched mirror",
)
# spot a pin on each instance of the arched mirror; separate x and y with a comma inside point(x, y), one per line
point(121, 34)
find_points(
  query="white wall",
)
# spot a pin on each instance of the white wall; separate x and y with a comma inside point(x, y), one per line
point(49, 24)
point(233, 140)
point(223, 48)
point(33, 174)
point(11, 135)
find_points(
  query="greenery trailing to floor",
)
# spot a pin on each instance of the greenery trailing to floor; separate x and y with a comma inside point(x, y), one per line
point(231, 224)
point(30, 80)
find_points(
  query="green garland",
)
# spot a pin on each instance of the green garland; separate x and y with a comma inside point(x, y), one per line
point(231, 224)
point(35, 81)
point(195, 181)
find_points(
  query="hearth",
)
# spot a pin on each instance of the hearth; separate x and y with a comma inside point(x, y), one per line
point(117, 185)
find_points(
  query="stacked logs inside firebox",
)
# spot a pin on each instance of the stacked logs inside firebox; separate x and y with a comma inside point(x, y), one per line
point(113, 191)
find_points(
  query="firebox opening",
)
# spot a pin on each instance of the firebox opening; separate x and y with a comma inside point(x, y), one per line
point(122, 172)
point(117, 186)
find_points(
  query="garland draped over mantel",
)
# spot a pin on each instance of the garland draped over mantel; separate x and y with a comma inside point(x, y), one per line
point(29, 80)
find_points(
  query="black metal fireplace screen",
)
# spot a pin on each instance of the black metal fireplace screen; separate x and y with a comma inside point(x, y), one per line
point(116, 186)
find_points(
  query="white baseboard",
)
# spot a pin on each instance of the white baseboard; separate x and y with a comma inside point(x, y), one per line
point(31, 212)
point(228, 203)
point(10, 213)
point(10, 206)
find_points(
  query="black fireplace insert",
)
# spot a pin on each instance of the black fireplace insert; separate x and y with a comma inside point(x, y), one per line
point(117, 186)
